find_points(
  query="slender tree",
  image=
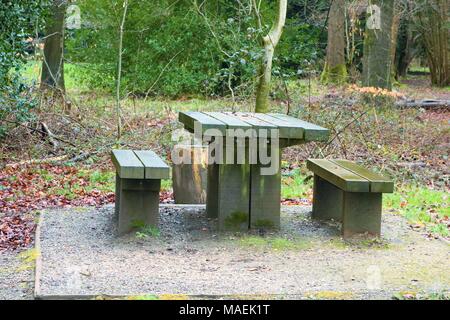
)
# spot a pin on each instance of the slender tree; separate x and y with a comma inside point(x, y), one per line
point(119, 71)
point(377, 60)
point(53, 64)
point(335, 70)
point(269, 42)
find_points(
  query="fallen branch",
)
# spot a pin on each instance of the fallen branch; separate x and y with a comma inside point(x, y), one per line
point(40, 131)
point(38, 161)
point(50, 135)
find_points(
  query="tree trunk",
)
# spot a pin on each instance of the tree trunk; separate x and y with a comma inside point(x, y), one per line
point(377, 61)
point(403, 54)
point(270, 42)
point(53, 65)
point(335, 70)
point(433, 21)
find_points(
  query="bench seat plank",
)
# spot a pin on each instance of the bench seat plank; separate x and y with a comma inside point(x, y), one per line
point(155, 167)
point(128, 165)
point(378, 183)
point(340, 177)
point(312, 132)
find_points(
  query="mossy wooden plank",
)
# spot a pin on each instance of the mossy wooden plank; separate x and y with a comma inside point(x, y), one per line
point(287, 130)
point(207, 122)
point(128, 165)
point(230, 121)
point(378, 183)
point(253, 121)
point(340, 177)
point(155, 167)
point(256, 124)
point(312, 132)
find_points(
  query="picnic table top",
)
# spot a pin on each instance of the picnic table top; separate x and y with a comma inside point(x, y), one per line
point(289, 127)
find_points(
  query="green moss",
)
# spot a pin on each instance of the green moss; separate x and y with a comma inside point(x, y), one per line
point(28, 260)
point(334, 75)
point(237, 221)
point(264, 224)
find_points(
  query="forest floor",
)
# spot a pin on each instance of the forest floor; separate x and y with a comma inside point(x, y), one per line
point(409, 145)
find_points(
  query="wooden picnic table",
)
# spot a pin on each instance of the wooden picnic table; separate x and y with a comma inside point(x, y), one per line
point(238, 194)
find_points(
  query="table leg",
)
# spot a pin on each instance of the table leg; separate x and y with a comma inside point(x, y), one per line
point(265, 199)
point(212, 190)
point(233, 203)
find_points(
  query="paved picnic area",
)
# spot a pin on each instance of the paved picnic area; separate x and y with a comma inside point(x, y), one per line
point(81, 256)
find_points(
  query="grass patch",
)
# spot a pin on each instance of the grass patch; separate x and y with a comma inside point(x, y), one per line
point(148, 232)
point(274, 243)
point(166, 185)
point(295, 184)
point(330, 295)
point(405, 295)
point(28, 260)
point(146, 297)
point(421, 206)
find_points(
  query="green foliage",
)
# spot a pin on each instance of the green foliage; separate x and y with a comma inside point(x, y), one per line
point(173, 48)
point(294, 184)
point(19, 21)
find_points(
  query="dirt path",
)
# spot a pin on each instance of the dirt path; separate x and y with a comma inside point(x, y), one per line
point(82, 257)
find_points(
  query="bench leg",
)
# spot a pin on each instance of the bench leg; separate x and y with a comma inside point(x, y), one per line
point(117, 202)
point(328, 201)
point(362, 214)
point(265, 199)
point(138, 204)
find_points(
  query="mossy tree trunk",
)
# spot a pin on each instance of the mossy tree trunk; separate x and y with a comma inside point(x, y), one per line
point(335, 70)
point(53, 64)
point(270, 42)
point(433, 23)
point(377, 60)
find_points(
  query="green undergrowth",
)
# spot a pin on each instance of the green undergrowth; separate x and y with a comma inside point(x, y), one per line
point(295, 183)
point(422, 207)
point(147, 231)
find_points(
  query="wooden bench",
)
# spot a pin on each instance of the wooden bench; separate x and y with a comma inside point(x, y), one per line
point(349, 193)
point(138, 182)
